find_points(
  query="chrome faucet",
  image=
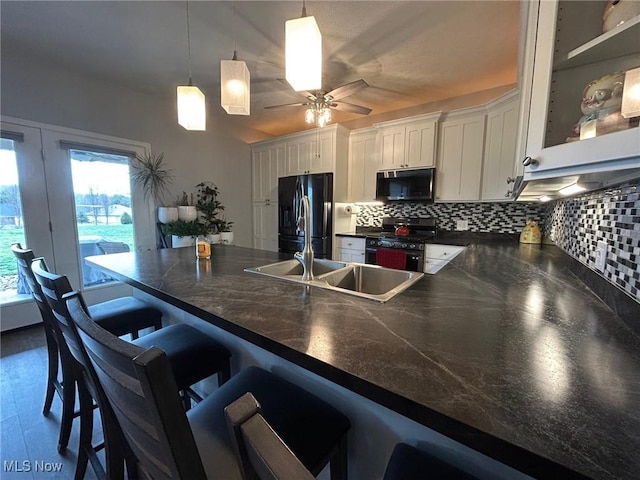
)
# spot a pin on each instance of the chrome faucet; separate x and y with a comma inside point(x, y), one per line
point(304, 223)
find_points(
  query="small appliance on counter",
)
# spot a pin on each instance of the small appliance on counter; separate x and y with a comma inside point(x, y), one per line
point(531, 233)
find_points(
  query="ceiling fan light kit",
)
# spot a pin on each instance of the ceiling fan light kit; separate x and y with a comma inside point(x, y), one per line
point(303, 54)
point(191, 108)
point(235, 86)
point(192, 114)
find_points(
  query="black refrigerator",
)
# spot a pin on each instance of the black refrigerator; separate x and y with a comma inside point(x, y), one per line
point(319, 188)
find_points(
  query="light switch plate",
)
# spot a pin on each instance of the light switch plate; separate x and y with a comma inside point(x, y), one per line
point(601, 256)
point(462, 225)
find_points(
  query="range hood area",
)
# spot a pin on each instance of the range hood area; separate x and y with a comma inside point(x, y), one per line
point(545, 189)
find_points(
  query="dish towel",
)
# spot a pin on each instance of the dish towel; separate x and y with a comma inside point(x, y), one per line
point(387, 257)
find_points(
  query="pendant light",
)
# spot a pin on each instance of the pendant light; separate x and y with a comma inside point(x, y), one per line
point(191, 103)
point(303, 53)
point(235, 83)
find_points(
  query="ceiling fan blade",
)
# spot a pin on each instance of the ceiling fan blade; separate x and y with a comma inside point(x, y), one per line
point(299, 104)
point(350, 107)
point(347, 89)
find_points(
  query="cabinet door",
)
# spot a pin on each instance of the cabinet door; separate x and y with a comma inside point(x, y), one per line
point(420, 145)
point(298, 157)
point(500, 151)
point(274, 171)
point(260, 158)
point(363, 165)
point(265, 226)
point(322, 158)
point(570, 52)
point(460, 160)
point(392, 147)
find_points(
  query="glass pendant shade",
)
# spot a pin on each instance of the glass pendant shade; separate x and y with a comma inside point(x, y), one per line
point(303, 54)
point(191, 108)
point(235, 87)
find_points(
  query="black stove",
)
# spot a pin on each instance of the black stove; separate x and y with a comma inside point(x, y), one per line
point(412, 245)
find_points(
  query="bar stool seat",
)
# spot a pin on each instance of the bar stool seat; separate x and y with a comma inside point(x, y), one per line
point(192, 354)
point(126, 315)
point(310, 427)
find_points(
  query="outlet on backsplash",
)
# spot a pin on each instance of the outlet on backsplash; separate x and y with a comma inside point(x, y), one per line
point(462, 225)
point(601, 256)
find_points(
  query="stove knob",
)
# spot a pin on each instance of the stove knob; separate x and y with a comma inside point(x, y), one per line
point(404, 245)
point(412, 246)
point(379, 243)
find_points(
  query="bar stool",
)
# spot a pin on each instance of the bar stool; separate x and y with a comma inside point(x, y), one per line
point(122, 316)
point(193, 357)
point(171, 445)
point(263, 454)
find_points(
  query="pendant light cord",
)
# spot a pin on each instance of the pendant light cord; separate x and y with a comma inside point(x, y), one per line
point(188, 44)
point(235, 38)
point(304, 10)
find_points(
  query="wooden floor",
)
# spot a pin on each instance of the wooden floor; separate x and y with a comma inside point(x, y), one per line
point(26, 434)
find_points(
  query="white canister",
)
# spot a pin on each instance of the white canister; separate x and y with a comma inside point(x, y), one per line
point(226, 237)
point(187, 213)
point(177, 242)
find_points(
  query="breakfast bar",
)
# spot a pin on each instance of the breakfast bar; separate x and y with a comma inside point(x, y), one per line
point(505, 350)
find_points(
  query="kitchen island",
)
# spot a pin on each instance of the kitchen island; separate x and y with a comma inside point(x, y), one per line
point(504, 350)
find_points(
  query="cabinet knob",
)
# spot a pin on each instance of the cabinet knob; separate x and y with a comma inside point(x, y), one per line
point(509, 193)
point(510, 179)
point(528, 161)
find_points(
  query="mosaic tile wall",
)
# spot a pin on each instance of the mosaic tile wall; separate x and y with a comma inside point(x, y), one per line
point(613, 216)
point(575, 225)
point(507, 217)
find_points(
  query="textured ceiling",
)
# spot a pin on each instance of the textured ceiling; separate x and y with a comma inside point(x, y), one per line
point(410, 53)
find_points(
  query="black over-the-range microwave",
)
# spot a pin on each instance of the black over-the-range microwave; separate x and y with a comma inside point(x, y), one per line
point(406, 185)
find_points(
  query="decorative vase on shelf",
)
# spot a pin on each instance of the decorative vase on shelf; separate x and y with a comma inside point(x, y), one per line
point(226, 237)
point(187, 213)
point(167, 214)
point(214, 238)
point(177, 242)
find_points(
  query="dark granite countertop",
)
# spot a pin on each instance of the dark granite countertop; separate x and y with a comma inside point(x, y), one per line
point(504, 350)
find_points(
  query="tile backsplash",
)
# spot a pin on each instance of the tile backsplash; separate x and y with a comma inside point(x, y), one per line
point(507, 217)
point(575, 225)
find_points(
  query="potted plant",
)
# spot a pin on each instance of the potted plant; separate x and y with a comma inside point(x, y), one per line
point(150, 174)
point(183, 232)
point(208, 207)
point(224, 227)
point(186, 209)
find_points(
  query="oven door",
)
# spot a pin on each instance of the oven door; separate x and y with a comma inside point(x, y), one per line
point(414, 258)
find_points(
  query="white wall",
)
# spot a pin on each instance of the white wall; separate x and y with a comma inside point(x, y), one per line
point(37, 90)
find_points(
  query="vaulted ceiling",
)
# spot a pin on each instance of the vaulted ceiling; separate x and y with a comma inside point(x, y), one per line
point(410, 53)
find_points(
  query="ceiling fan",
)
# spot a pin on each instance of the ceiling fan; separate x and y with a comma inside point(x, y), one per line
point(320, 103)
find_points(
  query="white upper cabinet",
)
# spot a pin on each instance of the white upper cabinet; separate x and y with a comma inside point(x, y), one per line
point(315, 151)
point(268, 162)
point(498, 169)
point(570, 52)
point(363, 165)
point(460, 153)
point(408, 143)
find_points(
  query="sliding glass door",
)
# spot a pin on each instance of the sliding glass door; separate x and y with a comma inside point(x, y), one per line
point(67, 195)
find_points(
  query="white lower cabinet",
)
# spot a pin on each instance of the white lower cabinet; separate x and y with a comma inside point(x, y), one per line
point(350, 249)
point(437, 256)
point(265, 226)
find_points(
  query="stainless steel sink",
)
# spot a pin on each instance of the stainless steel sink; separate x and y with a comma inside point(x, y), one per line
point(366, 281)
point(293, 268)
